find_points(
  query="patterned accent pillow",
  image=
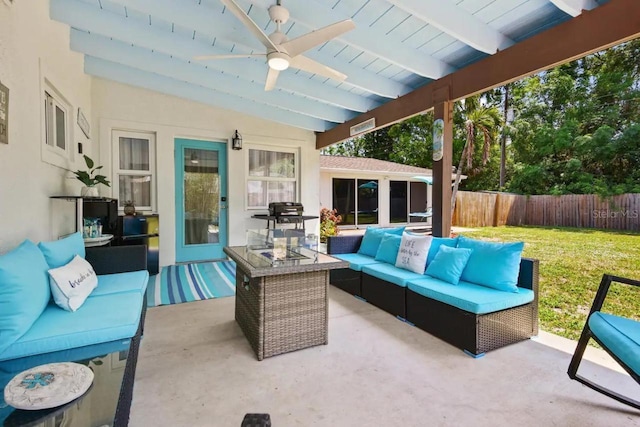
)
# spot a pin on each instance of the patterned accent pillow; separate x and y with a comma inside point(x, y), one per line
point(413, 252)
point(71, 284)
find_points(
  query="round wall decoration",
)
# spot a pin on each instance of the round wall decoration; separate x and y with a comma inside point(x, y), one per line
point(48, 386)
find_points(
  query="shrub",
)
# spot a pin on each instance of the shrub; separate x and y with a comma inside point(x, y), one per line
point(329, 220)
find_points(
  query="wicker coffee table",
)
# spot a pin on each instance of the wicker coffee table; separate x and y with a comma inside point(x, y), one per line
point(282, 306)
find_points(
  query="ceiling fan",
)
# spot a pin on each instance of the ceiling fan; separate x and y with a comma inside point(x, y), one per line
point(283, 53)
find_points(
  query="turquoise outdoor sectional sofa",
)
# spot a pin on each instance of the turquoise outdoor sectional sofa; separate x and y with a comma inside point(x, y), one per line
point(491, 300)
point(32, 325)
point(112, 311)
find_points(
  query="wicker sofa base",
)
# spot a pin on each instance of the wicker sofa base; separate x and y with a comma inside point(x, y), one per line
point(346, 279)
point(283, 313)
point(474, 333)
point(387, 296)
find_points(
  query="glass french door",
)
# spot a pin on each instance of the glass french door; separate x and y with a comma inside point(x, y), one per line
point(201, 199)
point(356, 200)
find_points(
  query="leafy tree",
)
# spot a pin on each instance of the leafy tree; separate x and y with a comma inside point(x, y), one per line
point(413, 141)
point(576, 124)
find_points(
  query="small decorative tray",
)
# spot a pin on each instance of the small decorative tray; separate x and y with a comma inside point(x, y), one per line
point(48, 386)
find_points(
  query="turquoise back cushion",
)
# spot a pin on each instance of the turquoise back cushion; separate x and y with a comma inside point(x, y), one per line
point(449, 264)
point(24, 291)
point(61, 252)
point(436, 242)
point(491, 264)
point(388, 249)
point(372, 238)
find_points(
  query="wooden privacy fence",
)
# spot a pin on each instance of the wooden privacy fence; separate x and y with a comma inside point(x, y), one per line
point(584, 210)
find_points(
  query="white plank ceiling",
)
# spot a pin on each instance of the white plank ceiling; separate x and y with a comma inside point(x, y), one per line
point(396, 47)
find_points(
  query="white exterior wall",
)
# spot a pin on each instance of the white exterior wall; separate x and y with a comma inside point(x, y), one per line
point(119, 106)
point(28, 38)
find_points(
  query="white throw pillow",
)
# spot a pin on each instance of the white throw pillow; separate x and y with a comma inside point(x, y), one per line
point(71, 284)
point(413, 252)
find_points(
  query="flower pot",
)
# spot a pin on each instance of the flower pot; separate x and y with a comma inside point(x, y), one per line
point(129, 208)
point(89, 192)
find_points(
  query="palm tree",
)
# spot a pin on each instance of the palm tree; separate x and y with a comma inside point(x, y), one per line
point(478, 119)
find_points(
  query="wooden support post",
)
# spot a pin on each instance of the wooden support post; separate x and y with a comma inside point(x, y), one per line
point(442, 169)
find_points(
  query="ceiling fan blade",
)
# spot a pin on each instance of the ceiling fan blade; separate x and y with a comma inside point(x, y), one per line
point(230, 56)
point(313, 67)
point(307, 41)
point(272, 76)
point(248, 22)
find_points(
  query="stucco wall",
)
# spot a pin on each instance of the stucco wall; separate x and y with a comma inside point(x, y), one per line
point(31, 42)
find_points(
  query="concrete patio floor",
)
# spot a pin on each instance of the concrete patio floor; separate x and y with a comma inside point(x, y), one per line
point(196, 369)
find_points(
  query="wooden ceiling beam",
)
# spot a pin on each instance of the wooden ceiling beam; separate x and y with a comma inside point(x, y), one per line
point(608, 25)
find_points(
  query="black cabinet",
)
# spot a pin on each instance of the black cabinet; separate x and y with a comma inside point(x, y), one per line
point(140, 230)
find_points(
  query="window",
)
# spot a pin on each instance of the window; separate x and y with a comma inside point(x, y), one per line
point(418, 200)
point(134, 169)
point(398, 202)
point(55, 119)
point(57, 125)
point(356, 200)
point(272, 177)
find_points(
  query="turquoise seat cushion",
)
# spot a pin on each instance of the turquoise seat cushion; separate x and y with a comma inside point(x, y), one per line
point(388, 249)
point(99, 319)
point(372, 238)
point(24, 291)
point(436, 242)
point(135, 281)
point(470, 297)
point(356, 261)
point(492, 264)
point(390, 273)
point(620, 335)
point(61, 252)
point(448, 264)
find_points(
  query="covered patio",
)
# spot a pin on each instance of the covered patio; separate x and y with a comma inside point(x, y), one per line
point(134, 68)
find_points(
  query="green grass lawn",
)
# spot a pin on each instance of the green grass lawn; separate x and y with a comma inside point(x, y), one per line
point(572, 262)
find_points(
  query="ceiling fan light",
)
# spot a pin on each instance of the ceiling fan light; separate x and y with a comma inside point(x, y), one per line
point(278, 61)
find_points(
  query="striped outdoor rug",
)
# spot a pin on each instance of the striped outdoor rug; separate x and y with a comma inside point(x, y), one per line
point(192, 282)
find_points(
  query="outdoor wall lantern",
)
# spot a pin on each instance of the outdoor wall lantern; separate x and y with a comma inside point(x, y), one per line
point(236, 141)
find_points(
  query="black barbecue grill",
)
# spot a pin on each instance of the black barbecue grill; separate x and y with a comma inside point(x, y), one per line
point(285, 213)
point(285, 209)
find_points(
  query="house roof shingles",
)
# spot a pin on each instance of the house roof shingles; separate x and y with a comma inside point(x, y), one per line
point(367, 164)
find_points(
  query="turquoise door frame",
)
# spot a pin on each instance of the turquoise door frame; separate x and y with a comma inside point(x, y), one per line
point(206, 248)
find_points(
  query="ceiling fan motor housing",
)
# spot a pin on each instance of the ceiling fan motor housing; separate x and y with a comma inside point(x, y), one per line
point(279, 14)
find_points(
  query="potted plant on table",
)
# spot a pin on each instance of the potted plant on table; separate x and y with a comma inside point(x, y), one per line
point(90, 179)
